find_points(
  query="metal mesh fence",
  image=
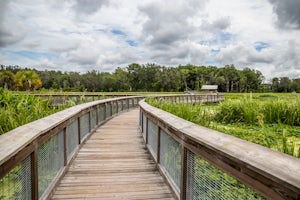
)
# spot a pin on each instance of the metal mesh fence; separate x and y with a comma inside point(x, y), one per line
point(17, 183)
point(152, 137)
point(124, 107)
point(204, 181)
point(100, 113)
point(130, 101)
point(119, 106)
point(170, 157)
point(135, 102)
point(84, 125)
point(72, 137)
point(144, 126)
point(50, 161)
point(108, 109)
point(115, 108)
point(93, 118)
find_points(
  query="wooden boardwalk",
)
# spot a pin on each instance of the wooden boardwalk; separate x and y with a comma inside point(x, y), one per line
point(114, 164)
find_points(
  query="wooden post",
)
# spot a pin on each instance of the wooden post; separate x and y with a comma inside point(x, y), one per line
point(146, 130)
point(34, 175)
point(90, 120)
point(141, 118)
point(65, 146)
point(158, 145)
point(110, 109)
point(183, 173)
point(97, 117)
point(78, 130)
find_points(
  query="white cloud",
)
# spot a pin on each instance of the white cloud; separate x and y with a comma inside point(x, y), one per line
point(83, 35)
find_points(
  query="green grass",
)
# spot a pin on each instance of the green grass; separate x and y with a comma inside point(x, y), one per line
point(271, 120)
point(17, 109)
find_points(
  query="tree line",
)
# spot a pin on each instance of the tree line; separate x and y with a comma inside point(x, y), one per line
point(146, 78)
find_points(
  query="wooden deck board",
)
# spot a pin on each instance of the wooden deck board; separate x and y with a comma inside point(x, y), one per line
point(114, 164)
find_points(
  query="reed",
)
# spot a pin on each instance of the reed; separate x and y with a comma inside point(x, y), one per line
point(21, 108)
point(267, 120)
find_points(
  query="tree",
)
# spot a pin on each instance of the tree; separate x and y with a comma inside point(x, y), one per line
point(284, 84)
point(275, 84)
point(27, 80)
point(295, 85)
point(252, 79)
point(7, 78)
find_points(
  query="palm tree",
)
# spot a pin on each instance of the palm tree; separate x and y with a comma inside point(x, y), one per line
point(7, 78)
point(27, 80)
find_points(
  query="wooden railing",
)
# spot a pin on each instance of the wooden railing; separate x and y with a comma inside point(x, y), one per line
point(191, 98)
point(200, 163)
point(35, 156)
point(57, 99)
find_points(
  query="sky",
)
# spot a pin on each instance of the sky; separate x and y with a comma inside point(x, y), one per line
point(101, 35)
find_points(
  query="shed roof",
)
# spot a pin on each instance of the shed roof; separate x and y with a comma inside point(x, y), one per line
point(209, 87)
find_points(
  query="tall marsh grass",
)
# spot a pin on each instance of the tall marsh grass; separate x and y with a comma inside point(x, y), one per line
point(267, 120)
point(19, 109)
point(250, 111)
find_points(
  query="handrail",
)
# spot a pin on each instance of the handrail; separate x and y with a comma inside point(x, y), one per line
point(35, 156)
point(57, 99)
point(31, 164)
point(188, 156)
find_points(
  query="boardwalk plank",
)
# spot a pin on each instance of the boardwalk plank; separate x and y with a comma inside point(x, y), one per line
point(114, 164)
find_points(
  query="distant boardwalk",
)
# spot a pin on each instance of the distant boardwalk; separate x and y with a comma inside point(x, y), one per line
point(114, 164)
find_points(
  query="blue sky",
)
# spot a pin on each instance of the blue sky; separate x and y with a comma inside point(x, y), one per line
point(84, 35)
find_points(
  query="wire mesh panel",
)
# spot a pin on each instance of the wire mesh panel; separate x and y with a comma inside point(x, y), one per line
point(144, 126)
point(124, 105)
point(115, 108)
point(108, 110)
point(84, 125)
point(93, 118)
point(100, 113)
point(17, 183)
point(136, 101)
point(204, 181)
point(130, 101)
point(119, 106)
point(170, 157)
point(152, 137)
point(72, 137)
point(50, 161)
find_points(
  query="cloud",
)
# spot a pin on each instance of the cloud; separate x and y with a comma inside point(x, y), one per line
point(104, 34)
point(88, 7)
point(290, 57)
point(288, 14)
point(169, 34)
point(217, 25)
point(243, 55)
point(9, 34)
point(167, 21)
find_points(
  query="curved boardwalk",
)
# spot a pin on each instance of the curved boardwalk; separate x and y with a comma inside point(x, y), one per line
point(114, 164)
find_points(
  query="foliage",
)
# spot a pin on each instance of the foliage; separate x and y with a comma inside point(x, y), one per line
point(7, 79)
point(16, 110)
point(27, 80)
point(250, 111)
point(259, 119)
point(136, 77)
